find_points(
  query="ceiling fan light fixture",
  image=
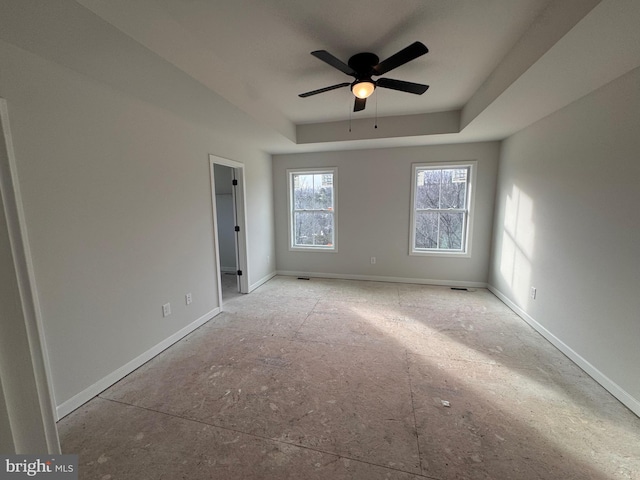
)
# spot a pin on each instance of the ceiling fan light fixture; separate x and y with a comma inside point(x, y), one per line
point(363, 88)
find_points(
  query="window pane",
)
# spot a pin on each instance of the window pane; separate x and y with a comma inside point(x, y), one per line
point(451, 227)
point(428, 188)
point(426, 230)
point(313, 191)
point(313, 228)
point(324, 229)
point(324, 196)
point(303, 192)
point(454, 188)
point(303, 228)
point(443, 231)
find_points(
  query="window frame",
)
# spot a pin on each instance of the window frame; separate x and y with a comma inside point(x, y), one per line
point(469, 210)
point(291, 172)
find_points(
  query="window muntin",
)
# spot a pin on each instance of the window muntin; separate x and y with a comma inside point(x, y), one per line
point(312, 204)
point(441, 208)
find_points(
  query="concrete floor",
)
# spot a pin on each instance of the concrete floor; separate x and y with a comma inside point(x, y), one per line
point(229, 283)
point(337, 379)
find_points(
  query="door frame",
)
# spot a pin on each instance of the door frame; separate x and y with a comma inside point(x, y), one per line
point(25, 381)
point(240, 213)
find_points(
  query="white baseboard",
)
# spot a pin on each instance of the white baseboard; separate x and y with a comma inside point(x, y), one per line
point(87, 394)
point(264, 279)
point(613, 388)
point(378, 278)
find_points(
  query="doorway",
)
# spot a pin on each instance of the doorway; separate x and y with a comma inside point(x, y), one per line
point(228, 200)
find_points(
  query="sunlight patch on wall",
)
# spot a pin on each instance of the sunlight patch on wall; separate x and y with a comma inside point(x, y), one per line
point(518, 240)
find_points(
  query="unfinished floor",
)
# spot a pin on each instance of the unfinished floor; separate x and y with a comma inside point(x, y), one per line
point(338, 379)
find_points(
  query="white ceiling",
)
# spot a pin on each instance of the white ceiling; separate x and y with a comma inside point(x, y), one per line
point(494, 66)
point(268, 44)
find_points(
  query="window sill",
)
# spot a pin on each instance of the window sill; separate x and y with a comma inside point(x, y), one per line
point(314, 249)
point(435, 253)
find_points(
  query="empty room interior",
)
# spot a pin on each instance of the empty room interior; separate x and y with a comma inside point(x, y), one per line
point(334, 240)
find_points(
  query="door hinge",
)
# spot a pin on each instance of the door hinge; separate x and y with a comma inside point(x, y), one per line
point(239, 272)
point(234, 182)
point(237, 228)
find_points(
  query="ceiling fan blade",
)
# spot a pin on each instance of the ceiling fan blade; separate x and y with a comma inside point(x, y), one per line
point(325, 89)
point(409, 87)
point(333, 61)
point(359, 104)
point(405, 55)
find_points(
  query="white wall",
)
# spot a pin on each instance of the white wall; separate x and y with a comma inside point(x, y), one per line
point(117, 198)
point(567, 222)
point(374, 193)
point(260, 222)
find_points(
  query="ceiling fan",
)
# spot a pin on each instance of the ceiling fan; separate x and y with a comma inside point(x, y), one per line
point(363, 66)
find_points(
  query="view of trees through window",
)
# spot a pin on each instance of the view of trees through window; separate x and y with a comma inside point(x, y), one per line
point(313, 209)
point(441, 208)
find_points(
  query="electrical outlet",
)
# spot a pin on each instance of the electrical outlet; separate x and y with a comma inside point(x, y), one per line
point(532, 293)
point(188, 298)
point(166, 309)
point(373, 260)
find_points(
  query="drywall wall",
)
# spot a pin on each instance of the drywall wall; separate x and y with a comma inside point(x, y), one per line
point(117, 198)
point(374, 202)
point(261, 254)
point(567, 223)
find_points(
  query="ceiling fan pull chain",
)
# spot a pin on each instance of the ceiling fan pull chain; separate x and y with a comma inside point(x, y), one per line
point(349, 108)
point(376, 125)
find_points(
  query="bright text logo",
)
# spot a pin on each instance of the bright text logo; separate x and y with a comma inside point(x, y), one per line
point(55, 467)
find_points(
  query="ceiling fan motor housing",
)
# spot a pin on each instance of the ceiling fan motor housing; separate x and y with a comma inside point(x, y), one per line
point(363, 63)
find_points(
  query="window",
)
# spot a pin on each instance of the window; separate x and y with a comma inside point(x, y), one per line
point(312, 209)
point(441, 208)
